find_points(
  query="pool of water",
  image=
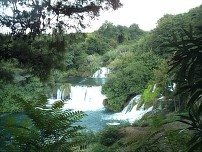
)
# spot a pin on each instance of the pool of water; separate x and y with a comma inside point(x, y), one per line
point(86, 96)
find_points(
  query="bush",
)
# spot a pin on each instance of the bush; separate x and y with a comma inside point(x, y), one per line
point(100, 148)
point(109, 136)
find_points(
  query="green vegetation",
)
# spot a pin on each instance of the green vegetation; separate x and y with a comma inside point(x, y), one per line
point(164, 62)
point(30, 65)
point(129, 78)
point(149, 96)
point(40, 128)
point(188, 76)
point(162, 133)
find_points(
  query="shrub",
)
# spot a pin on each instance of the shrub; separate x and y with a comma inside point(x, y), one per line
point(100, 148)
point(109, 136)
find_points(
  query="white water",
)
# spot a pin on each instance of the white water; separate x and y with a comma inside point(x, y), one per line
point(60, 94)
point(130, 112)
point(154, 88)
point(85, 98)
point(90, 99)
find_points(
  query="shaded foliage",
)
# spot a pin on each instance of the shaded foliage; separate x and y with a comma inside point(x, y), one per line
point(109, 136)
point(187, 60)
point(40, 128)
point(194, 120)
point(38, 57)
point(36, 16)
point(27, 89)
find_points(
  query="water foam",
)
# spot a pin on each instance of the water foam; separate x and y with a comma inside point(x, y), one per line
point(130, 112)
point(85, 98)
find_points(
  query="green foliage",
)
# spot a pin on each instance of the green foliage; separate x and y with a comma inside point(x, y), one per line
point(96, 45)
point(135, 32)
point(188, 69)
point(194, 120)
point(162, 78)
point(100, 49)
point(157, 118)
point(161, 140)
point(37, 57)
point(150, 143)
point(41, 15)
point(109, 136)
point(108, 30)
point(99, 148)
point(122, 84)
point(187, 62)
point(149, 96)
point(130, 77)
point(28, 89)
point(41, 128)
point(90, 137)
point(40, 54)
point(84, 58)
point(121, 34)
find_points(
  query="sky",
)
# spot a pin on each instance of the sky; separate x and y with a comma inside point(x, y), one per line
point(145, 13)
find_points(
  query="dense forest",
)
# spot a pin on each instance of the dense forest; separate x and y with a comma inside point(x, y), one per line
point(164, 65)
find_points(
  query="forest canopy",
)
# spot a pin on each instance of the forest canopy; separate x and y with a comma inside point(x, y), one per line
point(163, 65)
point(36, 16)
point(28, 19)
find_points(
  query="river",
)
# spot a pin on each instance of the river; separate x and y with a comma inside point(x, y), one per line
point(86, 96)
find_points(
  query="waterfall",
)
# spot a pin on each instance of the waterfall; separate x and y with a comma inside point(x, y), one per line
point(59, 94)
point(90, 98)
point(130, 113)
point(101, 73)
point(135, 100)
point(154, 88)
point(85, 98)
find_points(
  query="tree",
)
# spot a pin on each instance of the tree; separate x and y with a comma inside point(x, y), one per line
point(27, 19)
point(135, 32)
point(129, 77)
point(37, 57)
point(166, 25)
point(108, 30)
point(36, 16)
point(27, 46)
point(96, 45)
point(187, 61)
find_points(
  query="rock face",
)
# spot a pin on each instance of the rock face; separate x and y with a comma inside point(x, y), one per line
point(105, 102)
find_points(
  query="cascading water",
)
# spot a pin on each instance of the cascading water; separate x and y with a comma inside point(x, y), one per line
point(87, 97)
point(60, 94)
point(130, 112)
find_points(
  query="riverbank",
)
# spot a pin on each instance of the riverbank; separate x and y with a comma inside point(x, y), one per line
point(166, 137)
